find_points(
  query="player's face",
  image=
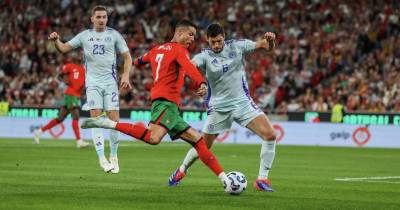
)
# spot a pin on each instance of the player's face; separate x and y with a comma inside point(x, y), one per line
point(186, 36)
point(99, 20)
point(216, 43)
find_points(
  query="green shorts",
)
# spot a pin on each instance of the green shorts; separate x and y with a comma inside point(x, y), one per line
point(166, 114)
point(71, 101)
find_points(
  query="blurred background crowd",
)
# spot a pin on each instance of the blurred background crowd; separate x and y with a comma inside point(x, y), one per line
point(328, 51)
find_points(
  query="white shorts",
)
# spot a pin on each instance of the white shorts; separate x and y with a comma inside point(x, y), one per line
point(102, 97)
point(220, 121)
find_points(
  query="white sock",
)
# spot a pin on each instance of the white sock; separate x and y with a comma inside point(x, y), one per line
point(98, 142)
point(190, 158)
point(267, 156)
point(114, 142)
point(222, 176)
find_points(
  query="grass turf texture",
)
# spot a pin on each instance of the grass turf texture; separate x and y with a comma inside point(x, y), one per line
point(56, 175)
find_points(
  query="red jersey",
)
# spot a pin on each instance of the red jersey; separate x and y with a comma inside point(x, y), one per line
point(169, 63)
point(76, 79)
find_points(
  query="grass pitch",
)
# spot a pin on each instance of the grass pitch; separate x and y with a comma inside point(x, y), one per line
point(56, 175)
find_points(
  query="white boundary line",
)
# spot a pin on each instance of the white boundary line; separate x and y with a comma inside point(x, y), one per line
point(375, 179)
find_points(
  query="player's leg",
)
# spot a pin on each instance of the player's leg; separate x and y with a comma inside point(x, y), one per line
point(61, 116)
point(114, 142)
point(206, 156)
point(73, 104)
point(111, 105)
point(250, 116)
point(263, 128)
point(190, 158)
point(139, 131)
point(94, 95)
point(216, 123)
point(75, 127)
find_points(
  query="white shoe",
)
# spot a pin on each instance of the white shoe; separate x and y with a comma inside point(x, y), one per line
point(107, 167)
point(81, 144)
point(37, 134)
point(114, 163)
point(98, 122)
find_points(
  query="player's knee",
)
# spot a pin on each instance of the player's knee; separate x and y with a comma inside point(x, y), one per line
point(154, 140)
point(268, 135)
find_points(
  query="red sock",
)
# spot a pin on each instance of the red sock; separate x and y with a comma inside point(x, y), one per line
point(137, 130)
point(50, 124)
point(75, 127)
point(207, 157)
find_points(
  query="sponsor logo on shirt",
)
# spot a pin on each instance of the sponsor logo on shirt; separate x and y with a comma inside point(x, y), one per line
point(91, 39)
point(215, 61)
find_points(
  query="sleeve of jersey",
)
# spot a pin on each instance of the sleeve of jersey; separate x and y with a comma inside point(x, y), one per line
point(189, 68)
point(76, 41)
point(142, 60)
point(121, 43)
point(245, 45)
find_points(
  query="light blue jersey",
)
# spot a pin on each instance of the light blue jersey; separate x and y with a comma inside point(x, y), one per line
point(100, 50)
point(226, 77)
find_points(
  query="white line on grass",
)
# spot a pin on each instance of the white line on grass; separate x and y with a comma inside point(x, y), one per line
point(380, 179)
point(349, 179)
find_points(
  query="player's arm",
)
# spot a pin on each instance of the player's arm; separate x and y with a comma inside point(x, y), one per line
point(142, 60)
point(267, 43)
point(60, 46)
point(190, 69)
point(125, 84)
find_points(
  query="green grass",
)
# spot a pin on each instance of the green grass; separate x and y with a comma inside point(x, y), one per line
point(56, 175)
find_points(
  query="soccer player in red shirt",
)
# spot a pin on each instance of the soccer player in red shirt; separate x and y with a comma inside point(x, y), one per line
point(74, 76)
point(170, 63)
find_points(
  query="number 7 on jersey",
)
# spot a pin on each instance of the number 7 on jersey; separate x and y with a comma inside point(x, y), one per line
point(159, 59)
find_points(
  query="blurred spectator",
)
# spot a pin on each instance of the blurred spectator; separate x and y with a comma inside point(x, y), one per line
point(326, 49)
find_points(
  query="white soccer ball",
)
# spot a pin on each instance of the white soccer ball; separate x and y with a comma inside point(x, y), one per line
point(238, 183)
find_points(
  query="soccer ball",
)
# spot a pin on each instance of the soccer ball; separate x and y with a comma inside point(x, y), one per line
point(238, 183)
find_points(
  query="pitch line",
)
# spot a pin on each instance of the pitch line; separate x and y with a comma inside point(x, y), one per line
point(350, 179)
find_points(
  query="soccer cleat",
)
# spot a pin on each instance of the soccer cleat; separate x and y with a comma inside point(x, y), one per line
point(263, 185)
point(81, 144)
point(97, 122)
point(176, 177)
point(107, 167)
point(114, 163)
point(37, 134)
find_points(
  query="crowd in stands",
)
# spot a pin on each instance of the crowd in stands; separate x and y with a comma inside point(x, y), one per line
point(328, 51)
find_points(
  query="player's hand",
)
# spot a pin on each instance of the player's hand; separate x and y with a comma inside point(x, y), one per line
point(270, 36)
point(202, 90)
point(125, 84)
point(53, 36)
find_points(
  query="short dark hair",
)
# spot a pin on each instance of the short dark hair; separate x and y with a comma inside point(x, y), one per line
point(214, 30)
point(184, 23)
point(98, 8)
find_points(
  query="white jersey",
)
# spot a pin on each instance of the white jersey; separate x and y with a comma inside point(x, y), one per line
point(100, 50)
point(225, 74)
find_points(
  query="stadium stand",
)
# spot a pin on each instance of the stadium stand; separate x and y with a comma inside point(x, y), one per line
point(328, 51)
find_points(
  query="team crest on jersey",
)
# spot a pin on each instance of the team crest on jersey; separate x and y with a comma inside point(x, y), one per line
point(215, 61)
point(108, 39)
point(232, 55)
point(165, 47)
